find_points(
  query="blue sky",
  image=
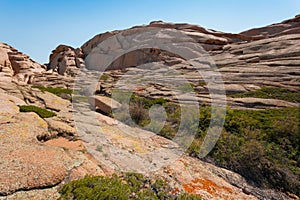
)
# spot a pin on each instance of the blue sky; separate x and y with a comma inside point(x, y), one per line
point(37, 27)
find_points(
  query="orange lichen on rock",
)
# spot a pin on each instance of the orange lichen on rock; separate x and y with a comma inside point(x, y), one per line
point(206, 185)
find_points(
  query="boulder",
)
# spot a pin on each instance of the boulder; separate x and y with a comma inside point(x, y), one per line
point(104, 104)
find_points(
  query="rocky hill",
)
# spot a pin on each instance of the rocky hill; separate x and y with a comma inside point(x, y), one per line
point(48, 139)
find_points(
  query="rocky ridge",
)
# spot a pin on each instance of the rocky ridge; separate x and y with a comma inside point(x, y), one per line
point(17, 66)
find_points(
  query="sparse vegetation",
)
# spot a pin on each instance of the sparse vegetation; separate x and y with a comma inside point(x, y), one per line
point(185, 88)
point(261, 145)
point(43, 113)
point(271, 93)
point(104, 77)
point(99, 148)
point(138, 109)
point(78, 99)
point(202, 83)
point(57, 91)
point(129, 186)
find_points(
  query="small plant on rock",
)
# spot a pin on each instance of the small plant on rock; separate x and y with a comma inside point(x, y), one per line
point(42, 112)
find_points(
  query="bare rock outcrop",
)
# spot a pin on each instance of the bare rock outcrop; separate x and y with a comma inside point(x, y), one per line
point(65, 57)
point(31, 168)
point(16, 65)
point(66, 60)
point(290, 26)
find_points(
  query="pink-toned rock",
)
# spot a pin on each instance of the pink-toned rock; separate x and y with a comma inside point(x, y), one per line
point(195, 178)
point(65, 60)
point(54, 102)
point(261, 103)
point(16, 65)
point(27, 164)
point(29, 167)
point(290, 26)
point(105, 104)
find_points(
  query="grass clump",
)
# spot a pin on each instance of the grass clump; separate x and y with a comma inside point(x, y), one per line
point(57, 91)
point(43, 113)
point(271, 93)
point(128, 186)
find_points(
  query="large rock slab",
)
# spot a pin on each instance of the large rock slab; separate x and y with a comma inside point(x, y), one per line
point(26, 164)
point(261, 103)
point(53, 102)
point(104, 104)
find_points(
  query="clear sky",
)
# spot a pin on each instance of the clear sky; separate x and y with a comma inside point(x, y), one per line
point(36, 27)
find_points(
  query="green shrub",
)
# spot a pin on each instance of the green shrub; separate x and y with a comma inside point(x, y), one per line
point(138, 109)
point(44, 113)
point(104, 77)
point(271, 93)
point(202, 83)
point(127, 186)
point(57, 91)
point(261, 145)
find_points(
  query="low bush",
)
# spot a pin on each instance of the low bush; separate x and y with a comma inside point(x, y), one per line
point(128, 186)
point(261, 145)
point(271, 93)
point(43, 113)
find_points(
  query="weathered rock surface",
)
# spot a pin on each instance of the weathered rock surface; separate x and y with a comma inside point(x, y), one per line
point(16, 65)
point(247, 61)
point(286, 27)
point(134, 149)
point(66, 60)
point(262, 103)
point(244, 67)
point(26, 164)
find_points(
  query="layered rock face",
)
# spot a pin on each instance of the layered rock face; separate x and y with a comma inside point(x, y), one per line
point(16, 65)
point(246, 62)
point(286, 27)
point(64, 57)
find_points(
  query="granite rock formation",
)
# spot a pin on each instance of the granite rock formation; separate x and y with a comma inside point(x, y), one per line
point(39, 155)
